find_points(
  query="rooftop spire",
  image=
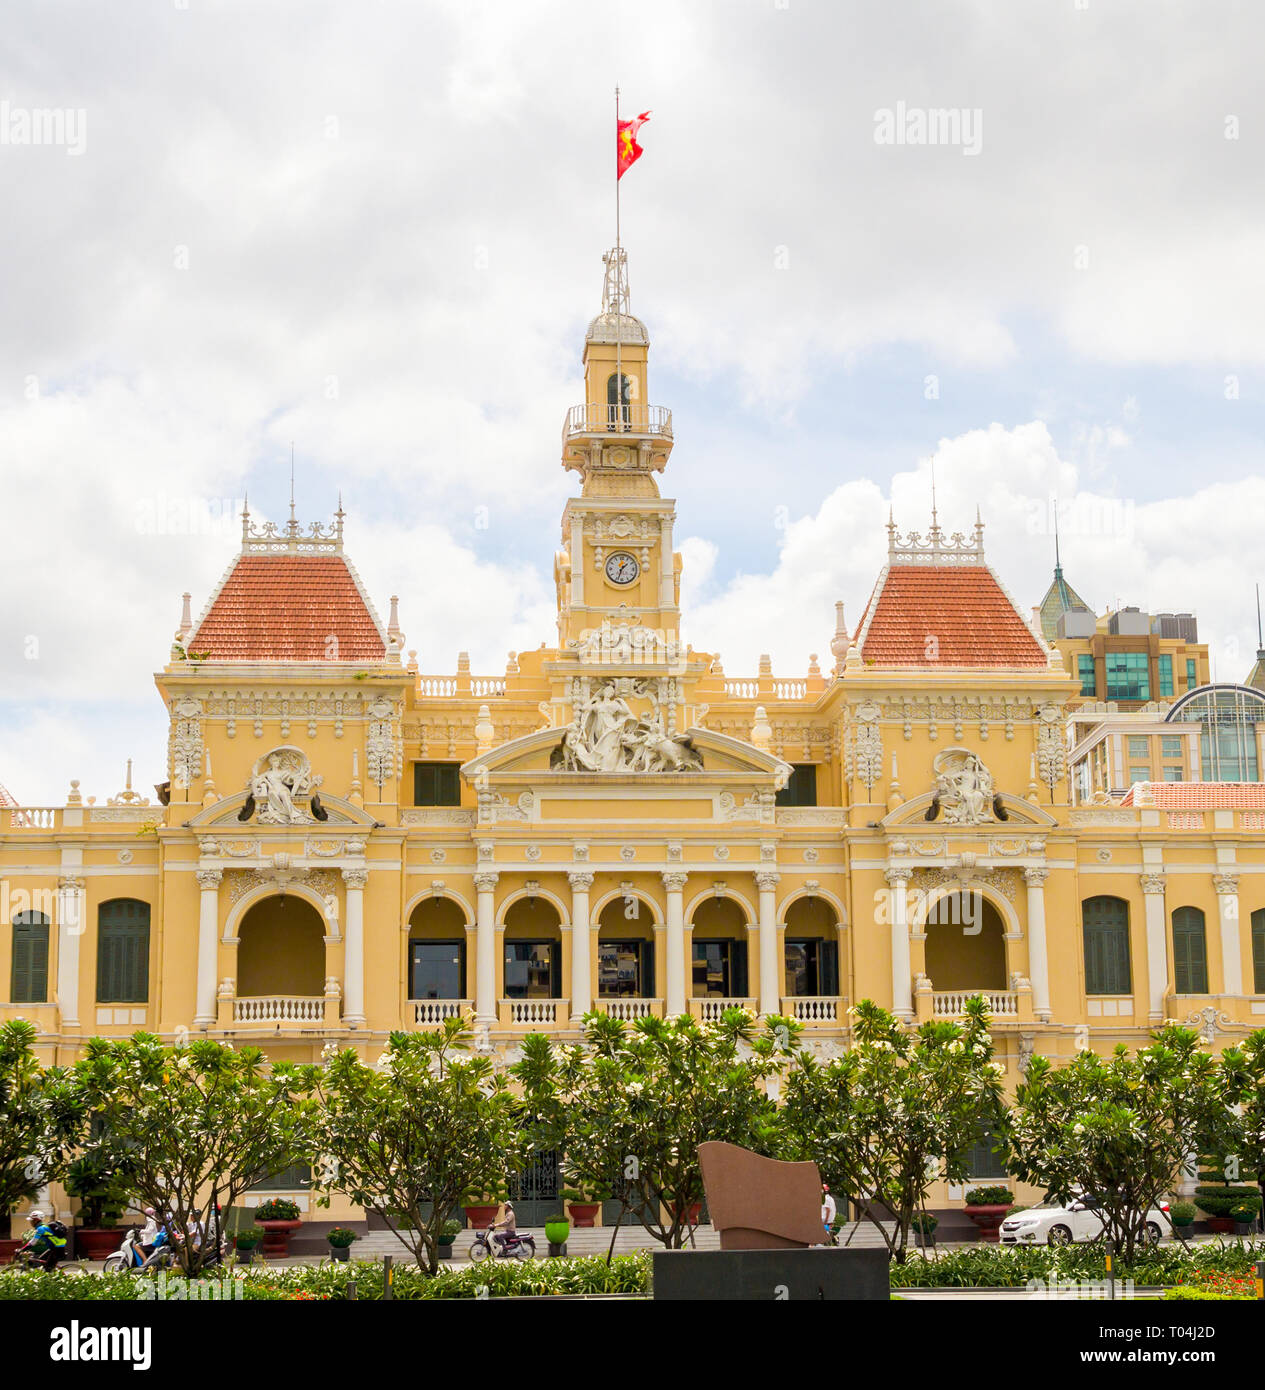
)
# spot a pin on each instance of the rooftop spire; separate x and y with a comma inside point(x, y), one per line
point(615, 297)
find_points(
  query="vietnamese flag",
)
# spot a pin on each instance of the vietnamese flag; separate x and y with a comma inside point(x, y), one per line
point(627, 150)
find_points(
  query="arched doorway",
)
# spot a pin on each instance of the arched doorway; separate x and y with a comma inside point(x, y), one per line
point(811, 949)
point(437, 958)
point(625, 954)
point(966, 947)
point(533, 950)
point(281, 950)
point(718, 955)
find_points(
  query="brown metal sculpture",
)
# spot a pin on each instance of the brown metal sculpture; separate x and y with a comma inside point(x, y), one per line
point(758, 1203)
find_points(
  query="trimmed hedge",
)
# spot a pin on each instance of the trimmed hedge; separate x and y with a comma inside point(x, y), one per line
point(997, 1267)
point(626, 1274)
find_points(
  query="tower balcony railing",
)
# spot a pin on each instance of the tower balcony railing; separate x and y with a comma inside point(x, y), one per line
point(635, 419)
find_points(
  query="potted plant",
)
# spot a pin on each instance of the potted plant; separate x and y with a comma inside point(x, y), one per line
point(102, 1194)
point(923, 1225)
point(582, 1211)
point(1182, 1215)
point(7, 1246)
point(557, 1229)
point(446, 1238)
point(246, 1242)
point(987, 1208)
point(279, 1216)
point(340, 1240)
point(481, 1210)
point(1244, 1217)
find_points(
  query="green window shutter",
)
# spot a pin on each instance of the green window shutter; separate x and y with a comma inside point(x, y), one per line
point(436, 784)
point(647, 969)
point(1105, 924)
point(1258, 949)
point(1190, 951)
point(828, 968)
point(123, 952)
point(29, 984)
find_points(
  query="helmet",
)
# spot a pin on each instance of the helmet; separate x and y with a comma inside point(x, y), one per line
point(36, 1216)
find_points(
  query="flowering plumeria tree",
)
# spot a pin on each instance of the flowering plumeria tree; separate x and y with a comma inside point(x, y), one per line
point(1120, 1128)
point(629, 1106)
point(1243, 1070)
point(417, 1132)
point(898, 1110)
point(38, 1117)
point(194, 1125)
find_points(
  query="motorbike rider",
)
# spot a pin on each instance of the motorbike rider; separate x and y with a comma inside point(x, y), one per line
point(47, 1248)
point(506, 1229)
point(149, 1232)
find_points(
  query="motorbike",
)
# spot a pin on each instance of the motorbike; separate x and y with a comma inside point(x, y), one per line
point(517, 1247)
point(130, 1257)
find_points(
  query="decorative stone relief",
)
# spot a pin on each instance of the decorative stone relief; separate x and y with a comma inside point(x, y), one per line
point(964, 787)
point(380, 742)
point(1051, 753)
point(426, 816)
point(867, 752)
point(606, 736)
point(244, 881)
point(186, 741)
point(280, 784)
point(1004, 881)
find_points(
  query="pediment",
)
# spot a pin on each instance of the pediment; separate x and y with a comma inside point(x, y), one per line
point(534, 757)
point(225, 814)
point(912, 814)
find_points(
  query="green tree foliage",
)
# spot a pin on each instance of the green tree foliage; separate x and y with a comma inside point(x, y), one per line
point(898, 1110)
point(1121, 1127)
point(628, 1108)
point(415, 1134)
point(193, 1125)
point(39, 1118)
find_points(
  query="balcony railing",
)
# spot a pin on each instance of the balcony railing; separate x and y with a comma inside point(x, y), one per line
point(432, 1011)
point(280, 1008)
point(535, 1011)
point(812, 1008)
point(632, 419)
point(1002, 1003)
point(630, 1009)
point(709, 1008)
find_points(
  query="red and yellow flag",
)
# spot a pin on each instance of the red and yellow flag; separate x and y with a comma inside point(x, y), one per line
point(627, 150)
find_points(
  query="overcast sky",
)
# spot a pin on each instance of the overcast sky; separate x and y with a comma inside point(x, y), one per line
point(375, 231)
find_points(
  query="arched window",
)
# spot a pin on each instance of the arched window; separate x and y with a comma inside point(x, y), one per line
point(1105, 924)
point(29, 984)
point(1190, 951)
point(1258, 949)
point(123, 952)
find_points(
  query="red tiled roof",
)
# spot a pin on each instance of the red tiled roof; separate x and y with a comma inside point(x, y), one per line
point(962, 607)
point(289, 608)
point(1199, 796)
point(6, 799)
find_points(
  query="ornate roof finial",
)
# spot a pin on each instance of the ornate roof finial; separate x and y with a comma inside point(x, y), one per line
point(293, 527)
point(615, 297)
point(245, 517)
point(935, 524)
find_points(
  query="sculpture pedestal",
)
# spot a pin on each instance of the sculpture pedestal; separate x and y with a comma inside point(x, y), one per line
point(814, 1276)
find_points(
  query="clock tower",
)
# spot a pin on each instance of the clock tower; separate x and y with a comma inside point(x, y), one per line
point(617, 575)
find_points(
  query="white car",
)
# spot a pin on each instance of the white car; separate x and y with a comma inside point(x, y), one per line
point(1078, 1220)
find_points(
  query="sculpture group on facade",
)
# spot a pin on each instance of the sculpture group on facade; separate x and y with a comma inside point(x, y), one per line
point(965, 793)
point(280, 782)
point(607, 736)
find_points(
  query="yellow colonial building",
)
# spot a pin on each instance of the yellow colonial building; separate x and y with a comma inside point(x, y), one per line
point(346, 845)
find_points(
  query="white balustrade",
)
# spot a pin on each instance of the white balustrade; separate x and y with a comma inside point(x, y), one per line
point(742, 689)
point(710, 1010)
point(436, 1010)
point(633, 418)
point(808, 1008)
point(32, 818)
point(535, 1010)
point(436, 685)
point(1002, 1003)
point(629, 1009)
point(280, 1008)
point(790, 689)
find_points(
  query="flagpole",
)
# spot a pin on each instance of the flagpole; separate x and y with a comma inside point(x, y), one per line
point(619, 281)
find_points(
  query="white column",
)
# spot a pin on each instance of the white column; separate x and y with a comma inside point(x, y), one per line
point(581, 971)
point(208, 945)
point(1038, 956)
point(667, 570)
point(675, 973)
point(902, 979)
point(1156, 945)
point(70, 928)
point(354, 948)
point(577, 559)
point(770, 995)
point(1227, 886)
point(485, 951)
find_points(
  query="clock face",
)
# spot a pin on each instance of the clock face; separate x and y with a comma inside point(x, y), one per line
point(622, 568)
